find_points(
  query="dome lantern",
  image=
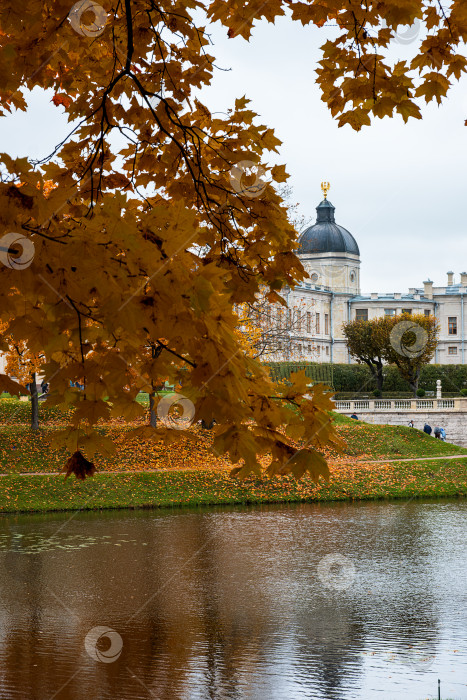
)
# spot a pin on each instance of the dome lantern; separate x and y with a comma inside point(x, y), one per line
point(325, 236)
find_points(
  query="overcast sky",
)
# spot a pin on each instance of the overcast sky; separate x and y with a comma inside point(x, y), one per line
point(400, 189)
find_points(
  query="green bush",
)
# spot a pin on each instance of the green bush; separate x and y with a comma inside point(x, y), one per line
point(463, 392)
point(357, 378)
point(377, 393)
point(321, 372)
point(420, 392)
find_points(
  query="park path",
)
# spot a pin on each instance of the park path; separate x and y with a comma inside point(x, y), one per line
point(411, 459)
point(188, 469)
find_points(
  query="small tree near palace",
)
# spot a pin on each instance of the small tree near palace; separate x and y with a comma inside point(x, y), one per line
point(409, 342)
point(365, 345)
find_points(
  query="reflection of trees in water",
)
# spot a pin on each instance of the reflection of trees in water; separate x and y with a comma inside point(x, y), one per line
point(406, 611)
point(21, 595)
point(220, 601)
point(329, 639)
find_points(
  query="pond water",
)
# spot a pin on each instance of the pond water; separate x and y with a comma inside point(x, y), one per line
point(316, 601)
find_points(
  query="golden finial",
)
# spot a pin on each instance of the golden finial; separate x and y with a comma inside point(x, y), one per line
point(325, 186)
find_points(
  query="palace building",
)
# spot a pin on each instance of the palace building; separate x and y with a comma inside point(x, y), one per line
point(331, 296)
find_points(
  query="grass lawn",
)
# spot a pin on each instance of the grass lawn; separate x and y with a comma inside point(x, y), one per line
point(391, 441)
point(191, 475)
point(19, 492)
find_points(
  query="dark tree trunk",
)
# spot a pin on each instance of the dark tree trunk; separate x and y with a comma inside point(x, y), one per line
point(376, 369)
point(152, 412)
point(34, 404)
point(414, 382)
point(379, 376)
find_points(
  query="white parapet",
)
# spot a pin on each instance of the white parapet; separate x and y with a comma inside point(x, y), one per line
point(458, 404)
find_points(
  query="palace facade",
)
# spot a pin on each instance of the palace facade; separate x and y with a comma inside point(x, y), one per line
point(331, 296)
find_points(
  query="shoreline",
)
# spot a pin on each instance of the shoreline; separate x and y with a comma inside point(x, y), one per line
point(40, 493)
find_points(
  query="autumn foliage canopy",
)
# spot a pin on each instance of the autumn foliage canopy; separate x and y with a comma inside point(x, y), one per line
point(153, 220)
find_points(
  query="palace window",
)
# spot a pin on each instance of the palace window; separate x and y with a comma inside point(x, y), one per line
point(298, 316)
point(317, 323)
point(452, 350)
point(326, 324)
point(308, 322)
point(314, 278)
point(389, 312)
point(361, 314)
point(427, 312)
point(289, 318)
point(406, 311)
point(452, 325)
point(327, 349)
point(318, 350)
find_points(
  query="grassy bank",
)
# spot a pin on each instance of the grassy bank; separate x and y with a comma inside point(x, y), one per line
point(24, 451)
point(191, 475)
point(19, 492)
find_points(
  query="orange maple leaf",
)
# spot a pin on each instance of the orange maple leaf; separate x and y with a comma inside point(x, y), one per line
point(61, 99)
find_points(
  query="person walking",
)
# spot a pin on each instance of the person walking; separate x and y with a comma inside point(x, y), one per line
point(427, 429)
point(354, 416)
point(411, 424)
point(443, 434)
point(438, 432)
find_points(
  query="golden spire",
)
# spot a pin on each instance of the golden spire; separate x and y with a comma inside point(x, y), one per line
point(325, 186)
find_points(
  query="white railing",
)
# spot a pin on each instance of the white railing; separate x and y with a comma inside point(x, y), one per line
point(424, 403)
point(457, 404)
point(343, 405)
point(384, 404)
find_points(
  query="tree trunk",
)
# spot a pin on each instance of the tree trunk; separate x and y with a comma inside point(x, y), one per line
point(379, 376)
point(414, 382)
point(34, 404)
point(376, 369)
point(152, 412)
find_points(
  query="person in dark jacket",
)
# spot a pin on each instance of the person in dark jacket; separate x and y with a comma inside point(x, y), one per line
point(427, 429)
point(437, 433)
point(354, 416)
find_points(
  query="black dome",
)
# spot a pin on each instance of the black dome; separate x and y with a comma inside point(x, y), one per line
point(326, 236)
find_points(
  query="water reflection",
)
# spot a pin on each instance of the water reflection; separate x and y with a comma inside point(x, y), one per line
point(232, 603)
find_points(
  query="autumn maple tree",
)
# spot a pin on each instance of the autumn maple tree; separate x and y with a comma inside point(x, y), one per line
point(24, 366)
point(162, 218)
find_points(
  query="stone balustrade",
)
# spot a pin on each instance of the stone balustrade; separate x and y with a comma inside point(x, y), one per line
point(422, 405)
